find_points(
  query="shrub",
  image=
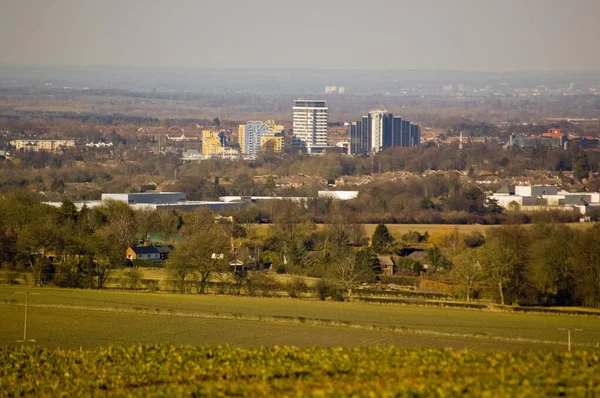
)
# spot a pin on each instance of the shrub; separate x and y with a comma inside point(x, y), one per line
point(280, 269)
point(261, 284)
point(296, 286)
point(151, 285)
point(474, 239)
point(322, 288)
point(336, 293)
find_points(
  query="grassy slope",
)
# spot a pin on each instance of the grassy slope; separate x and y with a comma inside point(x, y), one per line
point(186, 319)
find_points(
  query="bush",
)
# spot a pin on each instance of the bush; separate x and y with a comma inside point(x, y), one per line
point(474, 239)
point(261, 284)
point(410, 265)
point(151, 285)
point(322, 288)
point(296, 286)
point(336, 293)
point(133, 277)
point(280, 269)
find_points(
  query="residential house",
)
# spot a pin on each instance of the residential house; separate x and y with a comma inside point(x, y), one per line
point(158, 253)
point(237, 266)
point(164, 251)
point(387, 265)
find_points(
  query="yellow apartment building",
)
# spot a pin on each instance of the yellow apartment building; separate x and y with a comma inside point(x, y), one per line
point(242, 137)
point(211, 143)
point(276, 139)
point(253, 135)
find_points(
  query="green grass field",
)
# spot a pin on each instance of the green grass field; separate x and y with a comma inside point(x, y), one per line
point(87, 318)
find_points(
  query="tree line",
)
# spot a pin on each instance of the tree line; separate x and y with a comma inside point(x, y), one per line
point(541, 264)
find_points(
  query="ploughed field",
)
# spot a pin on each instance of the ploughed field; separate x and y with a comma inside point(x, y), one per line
point(87, 318)
point(165, 370)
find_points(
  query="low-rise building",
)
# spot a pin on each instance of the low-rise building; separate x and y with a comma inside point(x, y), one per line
point(544, 197)
point(154, 253)
point(275, 139)
point(157, 201)
point(146, 197)
point(339, 195)
point(183, 138)
point(212, 143)
point(146, 253)
point(42, 145)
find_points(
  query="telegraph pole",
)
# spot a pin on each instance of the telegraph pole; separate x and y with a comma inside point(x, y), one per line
point(25, 320)
point(569, 330)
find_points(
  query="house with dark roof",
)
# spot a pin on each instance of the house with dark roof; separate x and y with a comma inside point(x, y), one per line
point(142, 253)
point(164, 251)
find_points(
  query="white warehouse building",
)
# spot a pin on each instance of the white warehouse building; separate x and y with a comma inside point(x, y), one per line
point(544, 197)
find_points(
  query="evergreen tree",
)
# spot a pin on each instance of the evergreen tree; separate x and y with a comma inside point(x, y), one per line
point(68, 210)
point(367, 258)
point(382, 240)
point(581, 167)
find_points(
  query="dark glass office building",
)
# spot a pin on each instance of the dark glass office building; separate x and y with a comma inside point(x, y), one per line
point(380, 130)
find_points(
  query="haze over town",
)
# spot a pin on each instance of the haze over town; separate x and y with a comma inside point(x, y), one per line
point(473, 35)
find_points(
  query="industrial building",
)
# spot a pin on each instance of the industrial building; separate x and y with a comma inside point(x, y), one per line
point(158, 201)
point(177, 200)
point(544, 197)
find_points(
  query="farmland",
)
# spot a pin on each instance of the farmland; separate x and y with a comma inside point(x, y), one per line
point(85, 318)
point(287, 371)
point(400, 229)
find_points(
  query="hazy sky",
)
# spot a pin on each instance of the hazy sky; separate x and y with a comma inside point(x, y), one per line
point(486, 35)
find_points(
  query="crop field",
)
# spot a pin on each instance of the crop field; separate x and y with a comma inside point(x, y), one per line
point(400, 229)
point(397, 230)
point(87, 318)
point(291, 371)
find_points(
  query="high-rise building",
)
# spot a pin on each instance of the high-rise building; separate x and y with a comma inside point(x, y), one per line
point(253, 135)
point(415, 135)
point(380, 130)
point(310, 125)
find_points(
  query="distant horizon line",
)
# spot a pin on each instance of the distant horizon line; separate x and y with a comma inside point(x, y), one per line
point(210, 68)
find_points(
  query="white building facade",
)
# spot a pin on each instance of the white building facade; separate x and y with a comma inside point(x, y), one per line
point(310, 125)
point(377, 129)
point(545, 197)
